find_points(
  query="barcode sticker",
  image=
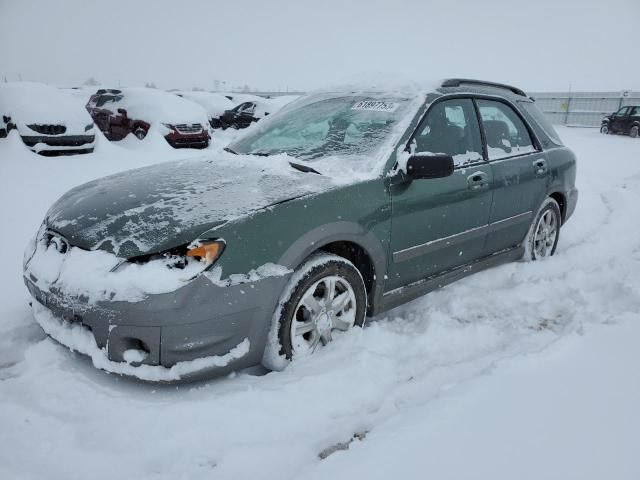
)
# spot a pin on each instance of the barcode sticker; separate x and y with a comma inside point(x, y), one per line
point(375, 106)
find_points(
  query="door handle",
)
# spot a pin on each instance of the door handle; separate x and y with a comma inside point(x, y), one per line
point(540, 166)
point(477, 181)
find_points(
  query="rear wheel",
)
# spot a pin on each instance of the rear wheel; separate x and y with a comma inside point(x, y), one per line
point(325, 296)
point(544, 232)
point(634, 131)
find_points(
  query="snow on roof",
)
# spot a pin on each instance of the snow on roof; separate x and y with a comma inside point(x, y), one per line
point(238, 98)
point(30, 102)
point(385, 82)
point(214, 103)
point(158, 106)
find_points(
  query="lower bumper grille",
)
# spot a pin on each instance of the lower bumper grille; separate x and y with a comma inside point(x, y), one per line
point(48, 129)
point(185, 128)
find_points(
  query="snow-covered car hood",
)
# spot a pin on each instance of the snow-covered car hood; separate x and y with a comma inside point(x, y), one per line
point(214, 104)
point(155, 208)
point(35, 103)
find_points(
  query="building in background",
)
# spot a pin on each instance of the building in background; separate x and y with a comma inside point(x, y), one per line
point(583, 108)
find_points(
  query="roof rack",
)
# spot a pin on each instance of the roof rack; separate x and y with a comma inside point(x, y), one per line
point(456, 82)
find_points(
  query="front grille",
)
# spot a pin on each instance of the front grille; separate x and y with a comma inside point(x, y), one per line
point(185, 128)
point(48, 129)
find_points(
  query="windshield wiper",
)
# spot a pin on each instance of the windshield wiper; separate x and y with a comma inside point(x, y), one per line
point(227, 149)
point(304, 168)
point(260, 154)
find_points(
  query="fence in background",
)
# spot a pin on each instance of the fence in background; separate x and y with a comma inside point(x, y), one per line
point(582, 108)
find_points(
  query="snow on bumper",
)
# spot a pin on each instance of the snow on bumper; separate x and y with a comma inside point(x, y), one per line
point(78, 338)
point(67, 143)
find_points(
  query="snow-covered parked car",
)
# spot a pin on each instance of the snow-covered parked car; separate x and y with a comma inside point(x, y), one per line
point(49, 120)
point(6, 125)
point(120, 112)
point(215, 104)
point(341, 206)
point(250, 109)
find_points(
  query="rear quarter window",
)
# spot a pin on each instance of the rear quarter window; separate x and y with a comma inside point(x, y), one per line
point(539, 118)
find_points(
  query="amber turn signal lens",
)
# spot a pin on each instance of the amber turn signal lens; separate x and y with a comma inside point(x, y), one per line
point(207, 252)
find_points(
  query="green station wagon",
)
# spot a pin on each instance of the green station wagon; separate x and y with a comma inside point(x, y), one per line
point(339, 207)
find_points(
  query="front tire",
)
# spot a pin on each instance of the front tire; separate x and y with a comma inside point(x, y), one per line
point(326, 295)
point(140, 133)
point(633, 133)
point(544, 233)
point(604, 129)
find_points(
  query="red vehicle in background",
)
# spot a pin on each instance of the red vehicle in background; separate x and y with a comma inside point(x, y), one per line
point(120, 112)
point(112, 120)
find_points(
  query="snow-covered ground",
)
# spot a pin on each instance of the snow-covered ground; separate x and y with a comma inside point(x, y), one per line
point(527, 371)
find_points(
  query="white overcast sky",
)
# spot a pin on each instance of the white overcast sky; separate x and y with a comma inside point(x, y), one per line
point(535, 44)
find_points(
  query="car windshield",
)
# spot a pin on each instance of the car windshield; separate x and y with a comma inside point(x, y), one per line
point(102, 100)
point(354, 125)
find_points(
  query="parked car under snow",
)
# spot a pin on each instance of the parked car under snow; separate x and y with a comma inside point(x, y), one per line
point(341, 206)
point(215, 104)
point(49, 121)
point(120, 112)
point(251, 109)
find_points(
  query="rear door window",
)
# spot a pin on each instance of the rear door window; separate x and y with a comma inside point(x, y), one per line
point(505, 133)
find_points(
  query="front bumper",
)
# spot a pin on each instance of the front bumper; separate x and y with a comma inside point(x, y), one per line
point(188, 141)
point(59, 143)
point(197, 331)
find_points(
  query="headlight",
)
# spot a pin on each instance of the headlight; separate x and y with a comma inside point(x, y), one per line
point(88, 127)
point(207, 252)
point(194, 258)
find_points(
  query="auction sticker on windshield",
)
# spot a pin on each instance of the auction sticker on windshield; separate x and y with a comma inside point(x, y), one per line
point(375, 106)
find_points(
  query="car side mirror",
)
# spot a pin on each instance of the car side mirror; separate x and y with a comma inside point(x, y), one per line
point(6, 118)
point(424, 166)
point(122, 112)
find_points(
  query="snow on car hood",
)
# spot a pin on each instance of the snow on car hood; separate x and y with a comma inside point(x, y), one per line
point(156, 106)
point(155, 208)
point(214, 104)
point(29, 102)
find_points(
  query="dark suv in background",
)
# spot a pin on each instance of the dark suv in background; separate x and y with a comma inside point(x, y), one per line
point(625, 121)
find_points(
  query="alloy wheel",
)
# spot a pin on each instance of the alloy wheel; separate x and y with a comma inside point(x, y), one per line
point(327, 306)
point(546, 234)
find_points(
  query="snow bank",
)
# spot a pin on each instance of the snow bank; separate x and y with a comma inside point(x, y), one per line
point(77, 338)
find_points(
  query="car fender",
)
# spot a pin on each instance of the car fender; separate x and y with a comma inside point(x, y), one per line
point(341, 231)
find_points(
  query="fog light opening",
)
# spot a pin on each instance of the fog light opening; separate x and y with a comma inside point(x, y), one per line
point(136, 351)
